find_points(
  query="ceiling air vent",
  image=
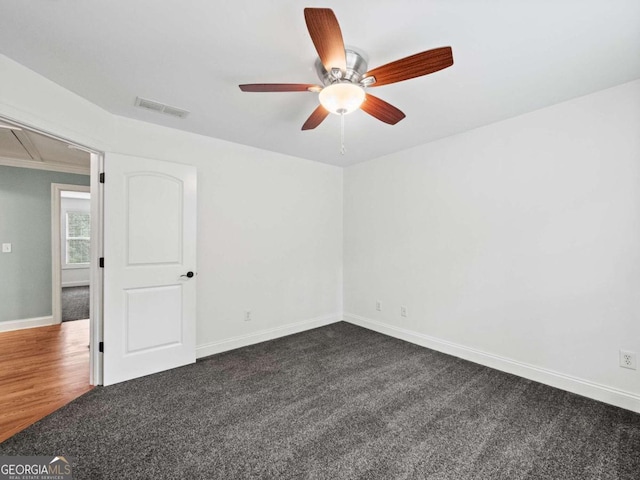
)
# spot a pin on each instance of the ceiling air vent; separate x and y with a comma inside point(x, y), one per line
point(161, 107)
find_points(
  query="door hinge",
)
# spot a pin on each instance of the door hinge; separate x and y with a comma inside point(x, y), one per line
point(101, 262)
point(101, 347)
point(102, 177)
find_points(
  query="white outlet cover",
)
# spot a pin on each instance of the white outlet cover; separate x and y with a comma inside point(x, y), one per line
point(628, 359)
point(6, 248)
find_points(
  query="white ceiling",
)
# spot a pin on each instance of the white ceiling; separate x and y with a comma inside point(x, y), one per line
point(511, 57)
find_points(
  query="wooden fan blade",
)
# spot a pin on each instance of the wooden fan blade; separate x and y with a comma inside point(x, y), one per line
point(413, 66)
point(316, 118)
point(327, 37)
point(280, 87)
point(381, 110)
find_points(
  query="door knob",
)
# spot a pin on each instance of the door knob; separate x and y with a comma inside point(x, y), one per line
point(188, 275)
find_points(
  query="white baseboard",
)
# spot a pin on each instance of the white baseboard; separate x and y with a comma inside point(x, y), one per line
point(10, 325)
point(603, 393)
point(265, 335)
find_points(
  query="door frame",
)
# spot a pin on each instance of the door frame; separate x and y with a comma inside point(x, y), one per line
point(96, 322)
point(97, 244)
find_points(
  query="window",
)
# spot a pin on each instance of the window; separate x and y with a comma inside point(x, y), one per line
point(78, 235)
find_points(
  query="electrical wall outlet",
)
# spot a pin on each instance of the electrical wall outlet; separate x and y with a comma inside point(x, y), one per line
point(6, 248)
point(247, 315)
point(378, 305)
point(628, 359)
point(403, 311)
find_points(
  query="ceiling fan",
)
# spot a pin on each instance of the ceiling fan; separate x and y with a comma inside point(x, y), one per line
point(344, 73)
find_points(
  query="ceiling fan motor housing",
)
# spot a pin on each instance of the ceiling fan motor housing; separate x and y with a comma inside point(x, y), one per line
point(356, 68)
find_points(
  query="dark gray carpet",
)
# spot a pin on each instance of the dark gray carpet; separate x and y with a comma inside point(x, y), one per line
point(75, 303)
point(338, 402)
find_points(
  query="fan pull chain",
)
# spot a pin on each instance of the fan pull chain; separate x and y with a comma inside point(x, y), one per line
point(342, 149)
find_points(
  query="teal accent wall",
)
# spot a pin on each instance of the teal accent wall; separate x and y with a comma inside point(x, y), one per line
point(25, 222)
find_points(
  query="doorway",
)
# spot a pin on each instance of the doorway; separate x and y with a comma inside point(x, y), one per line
point(45, 363)
point(32, 150)
point(71, 252)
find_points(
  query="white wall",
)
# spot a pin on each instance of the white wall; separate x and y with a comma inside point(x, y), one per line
point(516, 245)
point(269, 234)
point(269, 225)
point(31, 99)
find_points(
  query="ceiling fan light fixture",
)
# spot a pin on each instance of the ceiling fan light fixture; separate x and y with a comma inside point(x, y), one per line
point(346, 74)
point(342, 98)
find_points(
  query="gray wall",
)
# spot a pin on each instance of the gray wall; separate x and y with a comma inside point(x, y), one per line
point(25, 222)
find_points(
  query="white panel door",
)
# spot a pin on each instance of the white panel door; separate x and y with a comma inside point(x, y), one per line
point(149, 252)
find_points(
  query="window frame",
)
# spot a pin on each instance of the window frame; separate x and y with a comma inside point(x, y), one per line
point(67, 238)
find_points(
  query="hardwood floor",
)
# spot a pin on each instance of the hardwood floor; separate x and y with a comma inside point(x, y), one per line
point(41, 369)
